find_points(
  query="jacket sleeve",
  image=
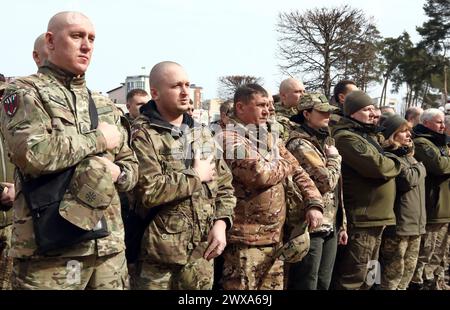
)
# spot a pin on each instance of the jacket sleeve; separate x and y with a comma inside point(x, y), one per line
point(249, 167)
point(37, 147)
point(125, 157)
point(410, 175)
point(155, 186)
point(324, 174)
point(364, 158)
point(225, 200)
point(309, 191)
point(434, 162)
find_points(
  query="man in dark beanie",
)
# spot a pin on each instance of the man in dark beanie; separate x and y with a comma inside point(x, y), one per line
point(369, 192)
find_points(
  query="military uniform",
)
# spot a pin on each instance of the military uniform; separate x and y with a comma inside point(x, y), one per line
point(283, 123)
point(307, 145)
point(6, 213)
point(400, 245)
point(260, 164)
point(432, 150)
point(46, 122)
point(180, 207)
point(369, 194)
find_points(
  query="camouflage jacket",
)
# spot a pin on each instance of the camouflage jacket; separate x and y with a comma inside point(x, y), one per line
point(282, 116)
point(46, 126)
point(324, 170)
point(260, 164)
point(187, 208)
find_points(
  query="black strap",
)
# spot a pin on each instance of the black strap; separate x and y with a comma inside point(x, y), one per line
point(93, 114)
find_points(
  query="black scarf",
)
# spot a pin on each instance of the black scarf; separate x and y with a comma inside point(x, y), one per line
point(151, 111)
point(437, 138)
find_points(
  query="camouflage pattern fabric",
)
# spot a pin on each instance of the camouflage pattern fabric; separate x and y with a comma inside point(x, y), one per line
point(196, 274)
point(260, 164)
point(438, 260)
point(86, 272)
point(5, 259)
point(399, 256)
point(251, 268)
point(324, 170)
point(282, 116)
point(46, 127)
point(424, 270)
point(188, 207)
point(354, 271)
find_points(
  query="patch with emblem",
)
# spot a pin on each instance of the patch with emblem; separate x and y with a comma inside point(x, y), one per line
point(429, 151)
point(361, 148)
point(10, 104)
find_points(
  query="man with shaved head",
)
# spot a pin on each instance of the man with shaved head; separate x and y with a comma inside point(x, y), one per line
point(40, 53)
point(72, 156)
point(184, 190)
point(291, 91)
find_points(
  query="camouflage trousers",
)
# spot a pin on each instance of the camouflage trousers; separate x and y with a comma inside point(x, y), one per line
point(251, 268)
point(431, 256)
point(439, 258)
point(197, 274)
point(357, 267)
point(5, 260)
point(71, 273)
point(398, 258)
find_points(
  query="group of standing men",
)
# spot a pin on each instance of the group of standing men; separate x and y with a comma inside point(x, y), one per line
point(192, 197)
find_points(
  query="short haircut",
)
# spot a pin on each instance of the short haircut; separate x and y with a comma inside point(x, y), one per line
point(136, 92)
point(341, 88)
point(2, 78)
point(245, 92)
point(157, 70)
point(429, 114)
point(226, 107)
point(411, 113)
point(276, 98)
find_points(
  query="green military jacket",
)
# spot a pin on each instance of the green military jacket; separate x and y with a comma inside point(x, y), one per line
point(368, 175)
point(187, 208)
point(409, 207)
point(46, 125)
point(432, 151)
point(6, 174)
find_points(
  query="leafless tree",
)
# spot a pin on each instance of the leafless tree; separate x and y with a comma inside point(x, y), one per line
point(228, 84)
point(322, 44)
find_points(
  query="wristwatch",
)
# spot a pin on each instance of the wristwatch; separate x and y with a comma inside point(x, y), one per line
point(122, 178)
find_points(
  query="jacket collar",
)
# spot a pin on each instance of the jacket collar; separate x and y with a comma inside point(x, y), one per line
point(259, 135)
point(437, 138)
point(67, 78)
point(151, 112)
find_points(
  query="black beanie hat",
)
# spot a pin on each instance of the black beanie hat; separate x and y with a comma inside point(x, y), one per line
point(355, 101)
point(391, 124)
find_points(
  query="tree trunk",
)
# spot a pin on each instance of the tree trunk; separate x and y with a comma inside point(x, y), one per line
point(445, 85)
point(384, 91)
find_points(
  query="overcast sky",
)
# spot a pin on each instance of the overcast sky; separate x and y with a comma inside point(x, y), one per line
point(209, 38)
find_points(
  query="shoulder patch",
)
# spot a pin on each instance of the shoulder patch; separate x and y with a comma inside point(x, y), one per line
point(10, 104)
point(429, 151)
point(360, 148)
